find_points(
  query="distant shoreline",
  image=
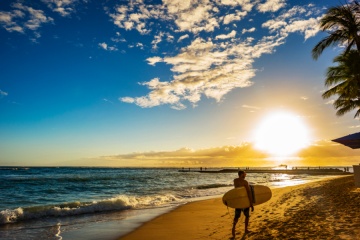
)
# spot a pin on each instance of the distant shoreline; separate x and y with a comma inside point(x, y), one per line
point(297, 170)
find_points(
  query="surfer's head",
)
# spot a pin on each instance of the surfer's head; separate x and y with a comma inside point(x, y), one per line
point(241, 173)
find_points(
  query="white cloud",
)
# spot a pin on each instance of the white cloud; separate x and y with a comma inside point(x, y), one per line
point(107, 100)
point(248, 30)
point(22, 18)
point(157, 40)
point(234, 17)
point(304, 98)
point(140, 45)
point(103, 45)
point(309, 27)
point(330, 102)
point(175, 6)
point(246, 5)
point(127, 99)
point(232, 34)
point(183, 37)
point(250, 107)
point(154, 60)
point(118, 38)
point(169, 37)
point(192, 16)
point(291, 21)
point(205, 67)
point(271, 5)
point(274, 24)
point(106, 47)
point(63, 7)
point(7, 21)
point(3, 94)
point(133, 16)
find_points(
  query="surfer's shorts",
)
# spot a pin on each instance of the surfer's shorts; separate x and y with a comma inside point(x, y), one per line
point(239, 210)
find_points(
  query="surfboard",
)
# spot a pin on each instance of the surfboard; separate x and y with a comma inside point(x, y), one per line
point(238, 198)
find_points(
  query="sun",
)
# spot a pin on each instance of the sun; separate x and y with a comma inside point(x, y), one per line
point(281, 134)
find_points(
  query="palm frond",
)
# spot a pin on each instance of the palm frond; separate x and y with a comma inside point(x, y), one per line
point(343, 26)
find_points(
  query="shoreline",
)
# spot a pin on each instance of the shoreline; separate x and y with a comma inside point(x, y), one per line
point(317, 210)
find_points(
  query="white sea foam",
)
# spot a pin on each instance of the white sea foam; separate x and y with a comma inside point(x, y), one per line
point(10, 216)
point(120, 202)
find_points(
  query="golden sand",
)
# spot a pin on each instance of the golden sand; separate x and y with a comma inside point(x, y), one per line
point(328, 209)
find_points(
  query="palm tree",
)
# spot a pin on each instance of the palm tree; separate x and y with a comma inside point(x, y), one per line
point(344, 80)
point(343, 26)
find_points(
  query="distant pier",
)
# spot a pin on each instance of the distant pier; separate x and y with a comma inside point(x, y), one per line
point(295, 170)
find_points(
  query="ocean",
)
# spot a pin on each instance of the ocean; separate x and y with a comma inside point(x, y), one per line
point(105, 203)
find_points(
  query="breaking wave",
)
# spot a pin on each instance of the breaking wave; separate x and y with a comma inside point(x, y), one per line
point(121, 202)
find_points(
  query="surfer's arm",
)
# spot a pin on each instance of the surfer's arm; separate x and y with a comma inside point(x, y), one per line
point(247, 187)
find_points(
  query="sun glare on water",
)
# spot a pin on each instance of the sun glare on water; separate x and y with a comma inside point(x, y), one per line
point(281, 134)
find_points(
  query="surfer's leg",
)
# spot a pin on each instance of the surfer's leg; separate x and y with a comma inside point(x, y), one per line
point(236, 219)
point(233, 228)
point(246, 225)
point(247, 218)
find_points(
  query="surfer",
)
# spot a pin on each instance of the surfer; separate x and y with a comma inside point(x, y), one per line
point(241, 182)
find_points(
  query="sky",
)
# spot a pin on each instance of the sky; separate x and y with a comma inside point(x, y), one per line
point(164, 83)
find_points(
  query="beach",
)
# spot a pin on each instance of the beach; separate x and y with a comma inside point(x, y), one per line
point(325, 209)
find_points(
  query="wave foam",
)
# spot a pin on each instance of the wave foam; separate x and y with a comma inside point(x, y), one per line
point(121, 202)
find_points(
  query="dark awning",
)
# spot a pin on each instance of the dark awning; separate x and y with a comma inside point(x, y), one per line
point(352, 140)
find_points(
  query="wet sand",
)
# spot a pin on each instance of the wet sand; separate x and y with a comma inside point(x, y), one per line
point(327, 209)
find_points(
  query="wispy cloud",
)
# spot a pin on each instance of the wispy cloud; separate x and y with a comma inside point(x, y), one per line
point(189, 157)
point(250, 107)
point(3, 94)
point(211, 66)
point(154, 60)
point(245, 5)
point(106, 47)
point(234, 17)
point(319, 153)
point(63, 7)
point(134, 16)
point(330, 102)
point(183, 37)
point(22, 18)
point(232, 34)
point(157, 40)
point(202, 68)
point(107, 100)
point(248, 30)
point(292, 20)
point(271, 5)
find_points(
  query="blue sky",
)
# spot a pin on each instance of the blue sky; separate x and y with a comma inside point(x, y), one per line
point(86, 82)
